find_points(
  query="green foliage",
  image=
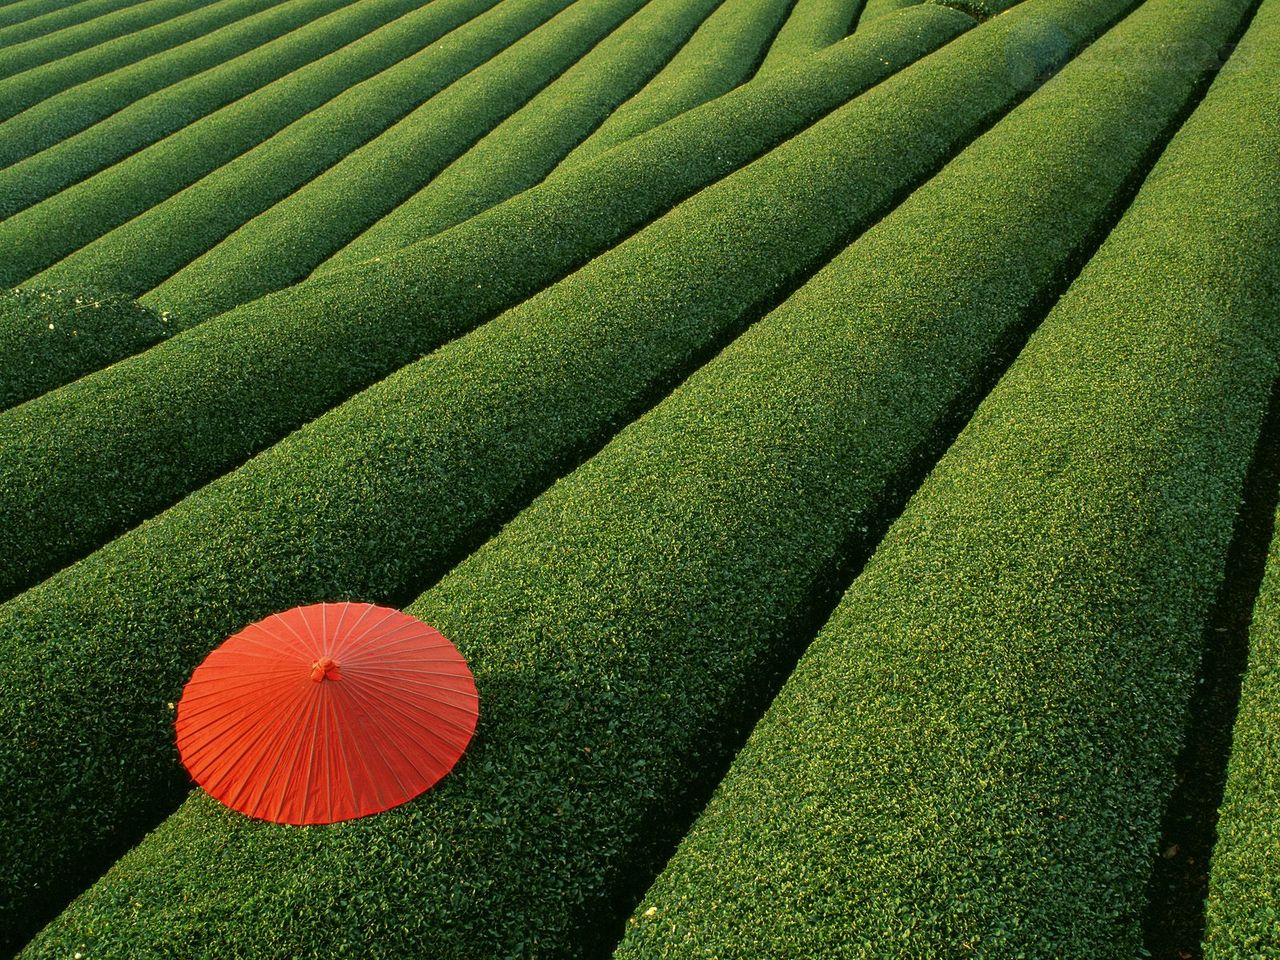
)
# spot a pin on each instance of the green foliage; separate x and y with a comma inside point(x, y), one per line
point(337, 509)
point(303, 229)
point(526, 146)
point(721, 54)
point(1238, 167)
point(39, 17)
point(63, 111)
point(68, 40)
point(369, 140)
point(875, 9)
point(233, 385)
point(18, 11)
point(32, 86)
point(811, 26)
point(978, 747)
point(338, 88)
point(624, 624)
point(51, 337)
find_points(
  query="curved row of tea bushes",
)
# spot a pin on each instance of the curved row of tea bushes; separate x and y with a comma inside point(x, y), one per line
point(305, 228)
point(168, 39)
point(979, 746)
point(42, 19)
point(359, 89)
point(61, 43)
point(51, 337)
point(811, 26)
point(235, 384)
point(526, 146)
point(47, 155)
point(380, 128)
point(631, 618)
point(1238, 165)
point(115, 86)
point(720, 55)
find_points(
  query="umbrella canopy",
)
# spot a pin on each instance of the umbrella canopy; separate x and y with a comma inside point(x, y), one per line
point(326, 712)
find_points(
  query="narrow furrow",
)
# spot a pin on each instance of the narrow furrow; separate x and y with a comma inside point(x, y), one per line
point(305, 228)
point(236, 384)
point(622, 624)
point(127, 69)
point(338, 87)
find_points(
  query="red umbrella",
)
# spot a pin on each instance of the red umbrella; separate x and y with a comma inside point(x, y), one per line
point(326, 712)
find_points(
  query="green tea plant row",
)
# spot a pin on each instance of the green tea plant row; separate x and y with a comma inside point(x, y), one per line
point(305, 228)
point(1238, 164)
point(208, 539)
point(379, 128)
point(115, 86)
point(57, 157)
point(368, 83)
point(721, 54)
point(41, 19)
point(978, 747)
point(235, 384)
point(50, 337)
point(17, 11)
point(526, 146)
point(167, 40)
point(61, 43)
point(811, 26)
point(655, 589)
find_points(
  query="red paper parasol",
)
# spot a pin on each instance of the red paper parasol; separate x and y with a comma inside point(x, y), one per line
point(326, 712)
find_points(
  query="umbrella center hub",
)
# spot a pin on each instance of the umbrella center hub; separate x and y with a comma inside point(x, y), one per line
point(326, 668)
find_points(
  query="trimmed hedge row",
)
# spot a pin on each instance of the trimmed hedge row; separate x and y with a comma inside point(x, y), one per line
point(30, 87)
point(56, 163)
point(526, 146)
point(51, 337)
point(1238, 165)
point(40, 18)
point(115, 87)
point(61, 43)
point(978, 747)
point(376, 119)
point(233, 385)
point(305, 228)
point(623, 625)
point(347, 78)
point(720, 55)
point(811, 26)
